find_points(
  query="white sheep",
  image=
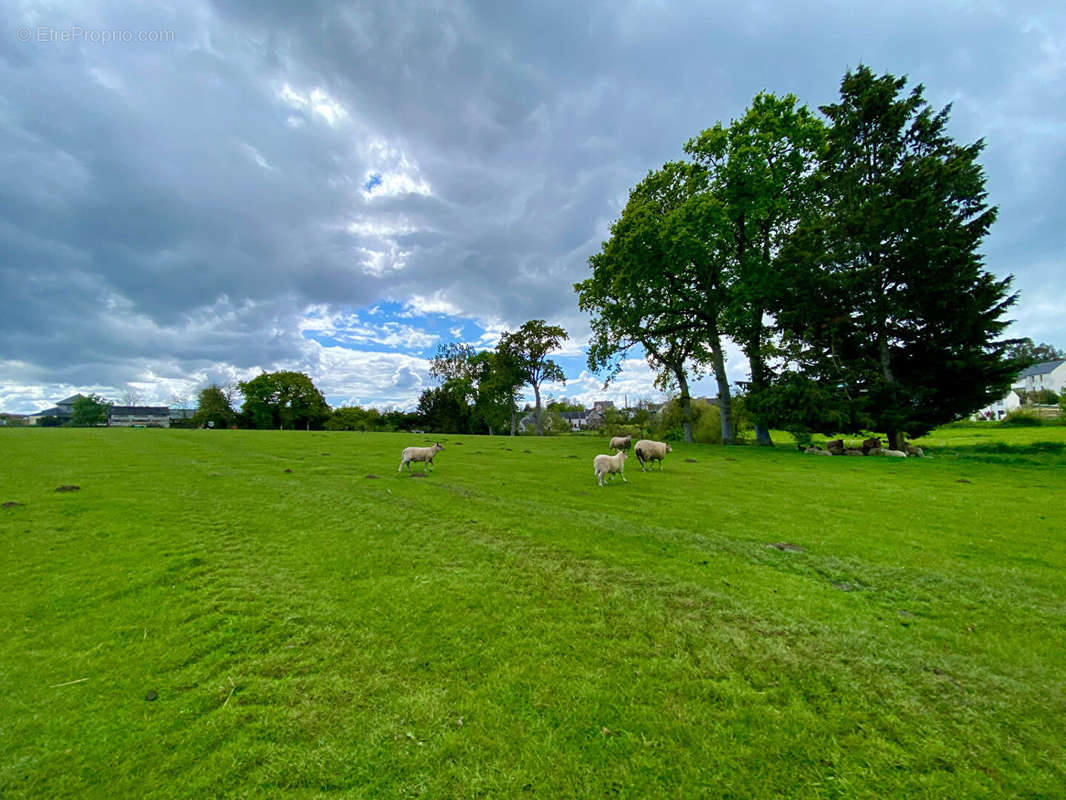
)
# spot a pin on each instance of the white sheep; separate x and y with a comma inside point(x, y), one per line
point(621, 442)
point(610, 465)
point(884, 451)
point(420, 454)
point(647, 450)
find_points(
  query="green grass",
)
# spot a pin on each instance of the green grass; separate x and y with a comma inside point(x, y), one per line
point(505, 628)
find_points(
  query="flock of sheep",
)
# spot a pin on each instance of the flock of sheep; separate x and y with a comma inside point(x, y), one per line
point(646, 451)
point(607, 466)
point(870, 447)
point(604, 466)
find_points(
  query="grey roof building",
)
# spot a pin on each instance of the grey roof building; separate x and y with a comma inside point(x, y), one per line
point(139, 416)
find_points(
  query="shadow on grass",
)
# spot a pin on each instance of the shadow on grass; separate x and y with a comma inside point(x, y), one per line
point(1036, 453)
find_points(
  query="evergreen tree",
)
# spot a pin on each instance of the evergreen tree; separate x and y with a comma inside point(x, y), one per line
point(888, 308)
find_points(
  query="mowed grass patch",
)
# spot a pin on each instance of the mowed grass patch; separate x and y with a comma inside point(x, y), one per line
point(746, 622)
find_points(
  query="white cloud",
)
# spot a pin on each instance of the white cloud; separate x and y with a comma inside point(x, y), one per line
point(436, 303)
point(316, 103)
point(348, 328)
point(257, 157)
point(390, 171)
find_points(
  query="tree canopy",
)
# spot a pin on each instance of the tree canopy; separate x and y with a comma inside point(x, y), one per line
point(283, 400)
point(89, 411)
point(526, 351)
point(213, 408)
point(885, 302)
point(842, 256)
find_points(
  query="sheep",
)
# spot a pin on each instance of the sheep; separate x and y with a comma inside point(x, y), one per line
point(835, 447)
point(420, 454)
point(817, 451)
point(621, 442)
point(884, 451)
point(915, 450)
point(605, 465)
point(651, 451)
point(872, 443)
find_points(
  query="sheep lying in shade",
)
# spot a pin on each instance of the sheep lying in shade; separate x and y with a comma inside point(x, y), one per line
point(647, 450)
point(621, 442)
point(609, 465)
point(884, 451)
point(420, 454)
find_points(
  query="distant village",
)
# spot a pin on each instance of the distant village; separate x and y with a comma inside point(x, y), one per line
point(165, 416)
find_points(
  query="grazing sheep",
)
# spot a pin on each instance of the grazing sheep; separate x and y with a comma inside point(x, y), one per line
point(870, 444)
point(651, 451)
point(609, 465)
point(420, 454)
point(914, 450)
point(835, 447)
point(848, 451)
point(621, 442)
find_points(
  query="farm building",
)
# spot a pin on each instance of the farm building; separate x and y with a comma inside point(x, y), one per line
point(139, 417)
point(61, 410)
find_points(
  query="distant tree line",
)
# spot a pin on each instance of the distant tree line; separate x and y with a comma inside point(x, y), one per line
point(841, 253)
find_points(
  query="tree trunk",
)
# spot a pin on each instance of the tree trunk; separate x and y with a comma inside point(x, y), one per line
point(514, 420)
point(725, 404)
point(536, 410)
point(685, 400)
point(897, 440)
point(758, 381)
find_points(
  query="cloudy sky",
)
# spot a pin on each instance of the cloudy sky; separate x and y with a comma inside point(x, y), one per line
point(197, 192)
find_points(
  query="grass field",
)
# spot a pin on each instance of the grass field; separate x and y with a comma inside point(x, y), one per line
point(240, 613)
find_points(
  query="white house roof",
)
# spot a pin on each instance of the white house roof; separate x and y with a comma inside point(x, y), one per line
point(1043, 368)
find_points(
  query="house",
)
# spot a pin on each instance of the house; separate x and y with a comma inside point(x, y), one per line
point(595, 416)
point(1045, 375)
point(63, 410)
point(177, 414)
point(139, 417)
point(999, 409)
point(579, 420)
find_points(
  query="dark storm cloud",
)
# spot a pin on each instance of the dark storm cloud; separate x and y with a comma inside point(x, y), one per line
point(181, 204)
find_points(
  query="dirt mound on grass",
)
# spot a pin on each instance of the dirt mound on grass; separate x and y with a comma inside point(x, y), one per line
point(68, 487)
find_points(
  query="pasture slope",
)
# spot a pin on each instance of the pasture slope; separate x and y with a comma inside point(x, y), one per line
point(241, 613)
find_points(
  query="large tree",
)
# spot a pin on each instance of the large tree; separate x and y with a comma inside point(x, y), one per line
point(527, 350)
point(488, 380)
point(662, 281)
point(888, 306)
point(1030, 353)
point(89, 411)
point(213, 408)
point(283, 400)
point(761, 168)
